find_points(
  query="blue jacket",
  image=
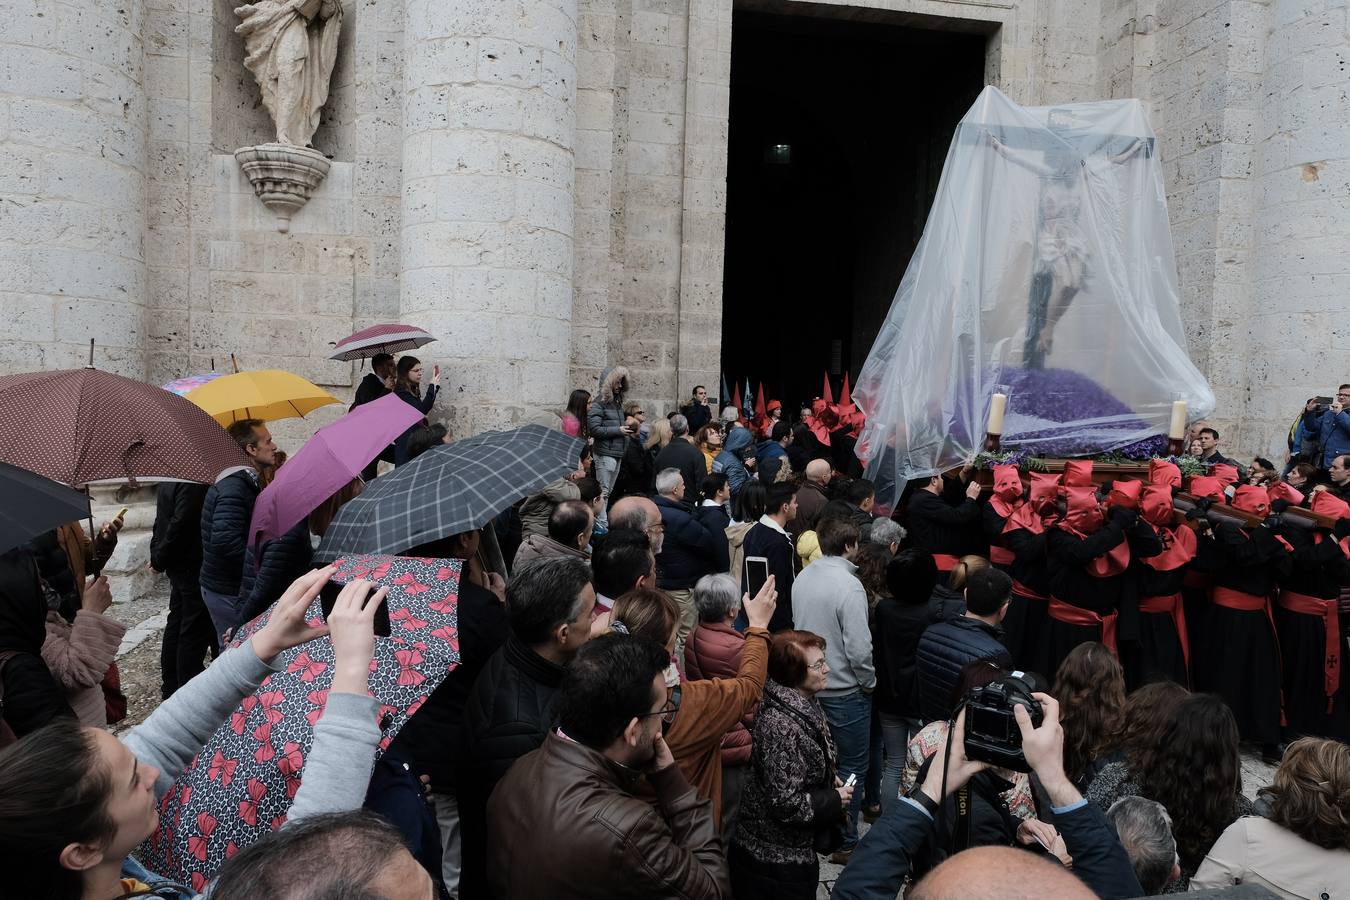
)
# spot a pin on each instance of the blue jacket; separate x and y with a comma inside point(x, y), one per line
point(729, 460)
point(690, 550)
point(271, 567)
point(226, 513)
point(1333, 434)
point(944, 650)
point(769, 457)
point(776, 547)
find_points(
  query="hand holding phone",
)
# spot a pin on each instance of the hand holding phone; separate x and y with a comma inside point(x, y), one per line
point(756, 574)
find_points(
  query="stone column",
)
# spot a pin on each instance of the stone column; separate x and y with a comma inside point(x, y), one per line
point(73, 132)
point(488, 138)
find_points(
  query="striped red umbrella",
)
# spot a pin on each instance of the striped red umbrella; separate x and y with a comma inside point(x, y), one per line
point(84, 426)
point(380, 339)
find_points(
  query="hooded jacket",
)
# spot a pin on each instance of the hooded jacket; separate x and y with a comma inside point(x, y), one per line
point(605, 420)
point(226, 513)
point(729, 461)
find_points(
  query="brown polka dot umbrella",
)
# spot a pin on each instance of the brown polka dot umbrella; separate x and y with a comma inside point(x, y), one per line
point(84, 426)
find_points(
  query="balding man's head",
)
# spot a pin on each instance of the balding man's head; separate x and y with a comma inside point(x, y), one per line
point(999, 872)
point(818, 470)
point(638, 514)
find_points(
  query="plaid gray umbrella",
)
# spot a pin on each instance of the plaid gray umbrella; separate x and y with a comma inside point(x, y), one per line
point(450, 489)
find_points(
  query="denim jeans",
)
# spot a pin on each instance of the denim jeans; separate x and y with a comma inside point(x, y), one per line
point(850, 720)
point(606, 472)
point(872, 794)
point(895, 735)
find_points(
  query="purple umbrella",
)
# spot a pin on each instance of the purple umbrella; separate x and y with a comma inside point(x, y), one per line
point(334, 456)
point(181, 386)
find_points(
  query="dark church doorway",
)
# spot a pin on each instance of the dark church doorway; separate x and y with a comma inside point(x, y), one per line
point(838, 132)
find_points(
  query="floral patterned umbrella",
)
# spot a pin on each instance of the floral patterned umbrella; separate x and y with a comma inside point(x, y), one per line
point(181, 386)
point(240, 786)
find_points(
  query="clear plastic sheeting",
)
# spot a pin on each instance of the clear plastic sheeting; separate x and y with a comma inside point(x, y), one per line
point(1045, 272)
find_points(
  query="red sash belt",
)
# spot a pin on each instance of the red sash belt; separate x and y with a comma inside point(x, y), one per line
point(1027, 593)
point(1244, 602)
point(1326, 609)
point(945, 561)
point(1170, 605)
point(1001, 556)
point(1076, 615)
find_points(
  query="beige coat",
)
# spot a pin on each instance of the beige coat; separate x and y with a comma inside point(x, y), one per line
point(79, 654)
point(1254, 850)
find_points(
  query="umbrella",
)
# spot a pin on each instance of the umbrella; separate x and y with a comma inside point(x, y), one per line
point(450, 489)
point(380, 339)
point(33, 505)
point(267, 394)
point(181, 386)
point(241, 783)
point(82, 426)
point(334, 456)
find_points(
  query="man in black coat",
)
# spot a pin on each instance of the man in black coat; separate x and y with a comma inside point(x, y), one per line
point(681, 454)
point(176, 550)
point(947, 647)
point(698, 413)
point(948, 531)
point(227, 511)
point(689, 550)
point(432, 739)
point(378, 382)
point(769, 538)
point(510, 710)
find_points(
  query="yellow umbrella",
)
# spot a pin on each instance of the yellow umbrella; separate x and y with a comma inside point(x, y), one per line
point(267, 394)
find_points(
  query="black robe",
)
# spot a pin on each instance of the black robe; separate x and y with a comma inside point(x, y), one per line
point(1157, 655)
point(1237, 657)
point(1317, 569)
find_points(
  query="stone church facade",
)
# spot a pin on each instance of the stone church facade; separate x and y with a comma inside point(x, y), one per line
point(542, 183)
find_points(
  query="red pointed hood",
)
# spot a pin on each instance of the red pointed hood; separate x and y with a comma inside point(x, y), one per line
point(760, 410)
point(1083, 514)
point(1207, 486)
point(1078, 473)
point(827, 394)
point(1160, 471)
point(1225, 473)
point(1252, 500)
point(1125, 493)
point(1179, 543)
point(1283, 490)
point(1007, 490)
point(1044, 492)
point(1325, 504)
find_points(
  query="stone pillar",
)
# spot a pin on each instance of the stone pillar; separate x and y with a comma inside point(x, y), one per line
point(488, 170)
point(73, 132)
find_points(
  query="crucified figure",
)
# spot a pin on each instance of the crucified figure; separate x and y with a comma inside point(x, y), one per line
point(1061, 251)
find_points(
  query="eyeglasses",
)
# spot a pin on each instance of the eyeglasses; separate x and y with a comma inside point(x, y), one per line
point(817, 665)
point(672, 706)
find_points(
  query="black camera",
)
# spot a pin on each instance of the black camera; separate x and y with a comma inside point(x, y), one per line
point(992, 733)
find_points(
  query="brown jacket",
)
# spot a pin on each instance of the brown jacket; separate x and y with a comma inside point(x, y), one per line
point(78, 654)
point(710, 708)
point(563, 823)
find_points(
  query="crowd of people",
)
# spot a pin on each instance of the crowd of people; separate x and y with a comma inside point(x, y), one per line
point(698, 663)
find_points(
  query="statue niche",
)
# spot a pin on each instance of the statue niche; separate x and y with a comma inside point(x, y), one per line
point(290, 47)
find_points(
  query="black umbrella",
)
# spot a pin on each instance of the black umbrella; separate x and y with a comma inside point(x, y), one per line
point(33, 505)
point(450, 489)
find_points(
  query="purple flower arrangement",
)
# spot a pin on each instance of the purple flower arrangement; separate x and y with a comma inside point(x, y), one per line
point(1063, 413)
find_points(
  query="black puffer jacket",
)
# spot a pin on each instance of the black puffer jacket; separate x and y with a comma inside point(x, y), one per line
point(690, 550)
point(605, 419)
point(226, 512)
point(176, 544)
point(270, 569)
point(944, 650)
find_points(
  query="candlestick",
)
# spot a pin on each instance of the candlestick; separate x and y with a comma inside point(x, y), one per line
point(1176, 430)
point(998, 404)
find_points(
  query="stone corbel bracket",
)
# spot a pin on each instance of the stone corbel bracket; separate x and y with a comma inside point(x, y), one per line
point(283, 177)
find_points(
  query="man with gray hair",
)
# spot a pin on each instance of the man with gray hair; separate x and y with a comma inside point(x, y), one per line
point(510, 711)
point(886, 532)
point(1145, 831)
point(689, 551)
point(681, 453)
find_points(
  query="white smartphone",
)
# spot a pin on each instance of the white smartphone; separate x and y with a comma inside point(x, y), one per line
point(852, 780)
point(756, 573)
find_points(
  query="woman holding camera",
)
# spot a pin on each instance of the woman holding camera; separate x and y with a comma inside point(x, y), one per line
point(792, 804)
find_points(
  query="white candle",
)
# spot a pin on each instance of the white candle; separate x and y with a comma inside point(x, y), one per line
point(1177, 429)
point(997, 405)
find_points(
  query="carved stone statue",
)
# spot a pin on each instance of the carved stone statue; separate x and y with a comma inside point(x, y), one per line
point(291, 47)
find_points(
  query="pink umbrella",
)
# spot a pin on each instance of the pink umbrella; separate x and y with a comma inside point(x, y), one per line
point(334, 456)
point(380, 339)
point(181, 386)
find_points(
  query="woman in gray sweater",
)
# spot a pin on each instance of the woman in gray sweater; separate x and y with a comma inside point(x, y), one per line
point(75, 801)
